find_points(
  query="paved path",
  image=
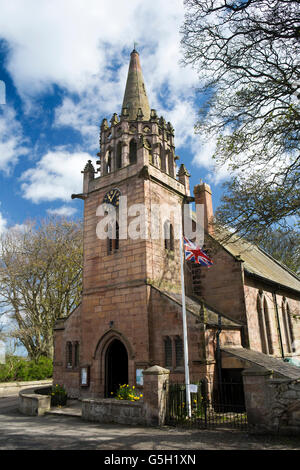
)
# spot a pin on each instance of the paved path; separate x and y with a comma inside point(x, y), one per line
point(67, 432)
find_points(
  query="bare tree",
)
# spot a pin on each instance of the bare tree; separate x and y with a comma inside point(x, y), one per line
point(41, 280)
point(247, 56)
point(285, 247)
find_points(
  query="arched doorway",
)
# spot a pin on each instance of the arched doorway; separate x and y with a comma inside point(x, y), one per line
point(116, 367)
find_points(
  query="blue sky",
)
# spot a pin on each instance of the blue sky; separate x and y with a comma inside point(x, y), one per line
point(64, 64)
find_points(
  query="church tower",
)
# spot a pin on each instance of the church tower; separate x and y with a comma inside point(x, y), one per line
point(119, 326)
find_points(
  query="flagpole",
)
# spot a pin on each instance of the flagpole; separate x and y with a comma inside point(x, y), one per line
point(185, 340)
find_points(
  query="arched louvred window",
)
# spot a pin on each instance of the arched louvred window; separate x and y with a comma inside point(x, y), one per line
point(132, 151)
point(268, 327)
point(171, 238)
point(286, 326)
point(113, 239)
point(289, 319)
point(262, 326)
point(119, 156)
point(168, 352)
point(69, 355)
point(168, 236)
point(171, 164)
point(161, 158)
point(149, 148)
point(108, 163)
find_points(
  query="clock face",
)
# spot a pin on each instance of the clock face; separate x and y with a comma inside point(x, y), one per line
point(112, 197)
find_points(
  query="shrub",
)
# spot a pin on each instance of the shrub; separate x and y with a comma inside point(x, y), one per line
point(125, 392)
point(58, 395)
point(20, 369)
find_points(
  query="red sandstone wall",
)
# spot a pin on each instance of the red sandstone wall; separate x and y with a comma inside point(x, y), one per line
point(166, 320)
point(71, 332)
point(162, 270)
point(252, 289)
point(221, 285)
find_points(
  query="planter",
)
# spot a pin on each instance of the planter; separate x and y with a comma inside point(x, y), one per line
point(59, 400)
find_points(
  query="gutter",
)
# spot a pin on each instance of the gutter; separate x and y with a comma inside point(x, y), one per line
point(271, 283)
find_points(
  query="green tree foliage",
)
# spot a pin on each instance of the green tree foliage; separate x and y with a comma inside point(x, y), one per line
point(41, 280)
point(18, 368)
point(247, 56)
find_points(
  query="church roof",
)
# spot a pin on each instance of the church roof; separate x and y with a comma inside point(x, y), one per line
point(257, 262)
point(260, 264)
point(278, 366)
point(135, 95)
point(206, 313)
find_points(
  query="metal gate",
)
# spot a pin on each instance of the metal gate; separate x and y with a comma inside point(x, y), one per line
point(213, 405)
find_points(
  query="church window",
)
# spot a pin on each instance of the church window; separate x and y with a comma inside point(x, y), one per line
point(69, 355)
point(113, 239)
point(149, 148)
point(291, 331)
point(76, 354)
point(286, 328)
point(108, 164)
point(173, 349)
point(168, 352)
point(162, 158)
point(262, 326)
point(168, 236)
point(171, 164)
point(179, 352)
point(119, 155)
point(132, 151)
point(268, 327)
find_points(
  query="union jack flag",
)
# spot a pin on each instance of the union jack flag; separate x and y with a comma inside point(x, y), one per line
point(194, 253)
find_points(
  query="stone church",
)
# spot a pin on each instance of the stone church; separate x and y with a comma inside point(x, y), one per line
point(242, 311)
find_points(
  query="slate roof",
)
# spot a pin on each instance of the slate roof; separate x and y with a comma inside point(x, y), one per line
point(260, 264)
point(278, 366)
point(201, 309)
point(257, 262)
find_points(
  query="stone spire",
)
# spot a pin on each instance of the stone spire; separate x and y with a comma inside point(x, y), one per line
point(135, 97)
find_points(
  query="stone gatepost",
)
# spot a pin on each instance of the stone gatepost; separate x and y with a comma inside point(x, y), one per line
point(156, 388)
point(257, 398)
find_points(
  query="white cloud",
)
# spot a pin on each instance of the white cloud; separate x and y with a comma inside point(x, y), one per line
point(65, 211)
point(3, 223)
point(55, 177)
point(68, 41)
point(12, 142)
point(85, 50)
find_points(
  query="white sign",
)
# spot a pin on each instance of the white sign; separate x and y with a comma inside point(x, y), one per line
point(139, 377)
point(193, 388)
point(84, 376)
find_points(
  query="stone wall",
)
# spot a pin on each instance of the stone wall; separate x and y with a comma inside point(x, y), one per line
point(151, 411)
point(8, 389)
point(33, 404)
point(273, 405)
point(110, 410)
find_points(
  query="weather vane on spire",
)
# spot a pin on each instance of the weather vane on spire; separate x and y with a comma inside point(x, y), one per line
point(134, 45)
